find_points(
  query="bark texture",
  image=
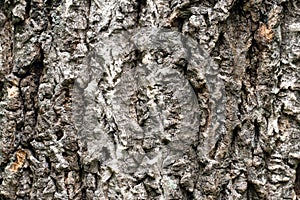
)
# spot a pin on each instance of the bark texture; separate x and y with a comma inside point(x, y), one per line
point(97, 103)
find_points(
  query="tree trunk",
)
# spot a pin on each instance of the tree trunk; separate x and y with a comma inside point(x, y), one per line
point(149, 99)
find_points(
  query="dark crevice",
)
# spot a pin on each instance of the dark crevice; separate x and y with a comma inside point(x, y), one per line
point(179, 23)
point(2, 197)
point(48, 162)
point(38, 71)
point(235, 134)
point(297, 181)
point(256, 131)
point(244, 89)
point(2, 84)
point(252, 72)
point(97, 178)
point(223, 194)
point(256, 136)
point(29, 147)
point(59, 134)
point(55, 183)
point(49, 4)
point(81, 175)
point(27, 9)
point(140, 5)
point(151, 192)
point(206, 18)
point(141, 180)
point(241, 110)
point(2, 3)
point(83, 194)
point(218, 45)
point(32, 75)
point(237, 9)
point(6, 7)
point(65, 154)
point(48, 8)
point(181, 15)
point(188, 194)
point(251, 192)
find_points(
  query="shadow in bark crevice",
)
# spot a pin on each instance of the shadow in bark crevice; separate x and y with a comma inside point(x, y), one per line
point(252, 193)
point(297, 181)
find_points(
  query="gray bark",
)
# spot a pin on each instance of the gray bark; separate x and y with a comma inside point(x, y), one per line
point(149, 99)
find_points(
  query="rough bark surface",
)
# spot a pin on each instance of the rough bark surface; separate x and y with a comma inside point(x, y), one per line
point(92, 108)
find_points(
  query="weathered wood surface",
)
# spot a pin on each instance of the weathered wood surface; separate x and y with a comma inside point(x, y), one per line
point(149, 99)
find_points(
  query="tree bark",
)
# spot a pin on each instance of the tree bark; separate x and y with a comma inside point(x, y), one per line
point(149, 99)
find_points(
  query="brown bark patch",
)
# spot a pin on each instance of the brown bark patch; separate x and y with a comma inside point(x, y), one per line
point(265, 32)
point(20, 159)
point(12, 92)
